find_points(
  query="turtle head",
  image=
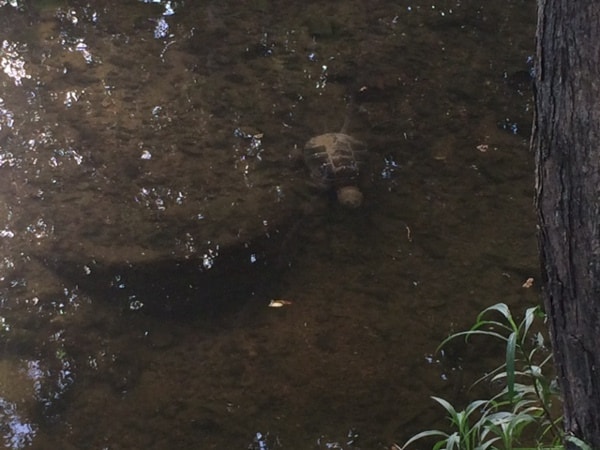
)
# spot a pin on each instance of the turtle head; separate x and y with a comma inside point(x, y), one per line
point(350, 196)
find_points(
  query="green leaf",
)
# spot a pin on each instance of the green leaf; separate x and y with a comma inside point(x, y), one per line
point(511, 345)
point(424, 434)
point(578, 442)
point(530, 315)
point(454, 442)
point(467, 334)
point(503, 309)
point(491, 324)
point(446, 405)
point(487, 444)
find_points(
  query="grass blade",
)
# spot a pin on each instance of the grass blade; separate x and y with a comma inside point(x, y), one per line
point(424, 434)
point(511, 346)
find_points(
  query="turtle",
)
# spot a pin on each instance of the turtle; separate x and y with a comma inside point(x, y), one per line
point(334, 161)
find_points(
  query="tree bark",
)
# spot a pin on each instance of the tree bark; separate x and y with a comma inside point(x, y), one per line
point(566, 141)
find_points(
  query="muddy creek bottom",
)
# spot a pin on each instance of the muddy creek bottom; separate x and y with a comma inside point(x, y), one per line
point(133, 157)
point(347, 360)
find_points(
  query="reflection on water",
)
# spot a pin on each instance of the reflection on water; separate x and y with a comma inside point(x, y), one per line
point(18, 434)
point(12, 64)
point(153, 205)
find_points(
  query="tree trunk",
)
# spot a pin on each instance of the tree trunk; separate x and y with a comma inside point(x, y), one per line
point(566, 140)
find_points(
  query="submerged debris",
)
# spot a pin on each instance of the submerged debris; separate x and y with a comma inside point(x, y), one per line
point(279, 303)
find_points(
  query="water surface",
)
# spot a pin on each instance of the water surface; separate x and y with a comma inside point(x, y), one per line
point(152, 207)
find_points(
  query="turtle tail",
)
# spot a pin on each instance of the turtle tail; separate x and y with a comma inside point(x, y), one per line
point(350, 111)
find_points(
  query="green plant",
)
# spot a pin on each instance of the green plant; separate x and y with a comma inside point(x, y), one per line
point(525, 396)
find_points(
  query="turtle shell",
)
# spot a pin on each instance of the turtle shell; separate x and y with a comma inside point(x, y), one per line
point(334, 159)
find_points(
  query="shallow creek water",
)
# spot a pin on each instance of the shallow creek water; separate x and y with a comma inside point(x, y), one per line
point(152, 206)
